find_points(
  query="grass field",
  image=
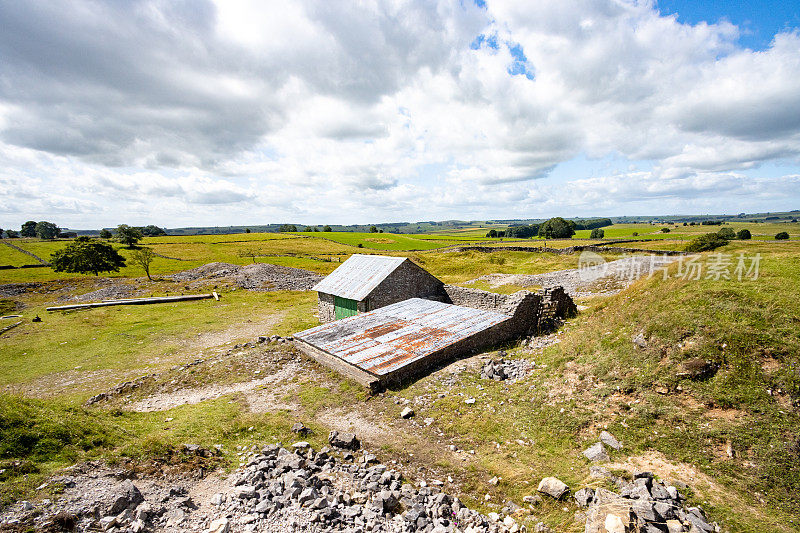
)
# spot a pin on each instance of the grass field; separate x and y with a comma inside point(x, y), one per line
point(594, 378)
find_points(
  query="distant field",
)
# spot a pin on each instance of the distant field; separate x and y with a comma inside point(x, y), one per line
point(389, 241)
point(10, 256)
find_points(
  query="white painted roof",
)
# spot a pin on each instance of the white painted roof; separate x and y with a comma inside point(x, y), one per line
point(358, 276)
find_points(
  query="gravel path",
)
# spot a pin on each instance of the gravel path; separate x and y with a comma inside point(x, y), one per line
point(257, 393)
point(597, 277)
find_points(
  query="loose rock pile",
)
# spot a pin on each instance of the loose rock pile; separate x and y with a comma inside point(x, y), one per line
point(279, 490)
point(503, 369)
point(254, 277)
point(644, 504)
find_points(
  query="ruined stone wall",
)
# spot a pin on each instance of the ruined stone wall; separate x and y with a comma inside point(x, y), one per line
point(325, 308)
point(406, 281)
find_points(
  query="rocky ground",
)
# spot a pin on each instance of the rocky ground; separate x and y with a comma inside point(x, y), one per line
point(338, 488)
point(597, 277)
point(257, 276)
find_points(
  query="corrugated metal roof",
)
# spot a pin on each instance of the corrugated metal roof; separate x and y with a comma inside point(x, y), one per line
point(387, 339)
point(358, 276)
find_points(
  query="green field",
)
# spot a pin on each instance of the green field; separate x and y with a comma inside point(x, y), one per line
point(594, 378)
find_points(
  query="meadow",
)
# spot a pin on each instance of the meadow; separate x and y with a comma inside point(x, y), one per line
point(594, 378)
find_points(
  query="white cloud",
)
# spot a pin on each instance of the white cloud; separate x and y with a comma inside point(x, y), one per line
point(363, 111)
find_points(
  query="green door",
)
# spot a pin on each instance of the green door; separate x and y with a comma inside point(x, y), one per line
point(344, 308)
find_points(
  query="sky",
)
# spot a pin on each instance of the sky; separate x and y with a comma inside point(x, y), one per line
point(237, 112)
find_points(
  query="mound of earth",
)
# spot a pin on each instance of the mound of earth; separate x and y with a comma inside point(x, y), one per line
point(254, 277)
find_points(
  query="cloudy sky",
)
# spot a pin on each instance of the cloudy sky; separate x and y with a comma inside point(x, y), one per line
point(192, 112)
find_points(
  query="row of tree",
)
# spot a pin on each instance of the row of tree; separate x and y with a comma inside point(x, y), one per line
point(555, 228)
point(48, 230)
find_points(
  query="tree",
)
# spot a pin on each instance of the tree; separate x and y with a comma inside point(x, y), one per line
point(128, 235)
point(308, 229)
point(373, 229)
point(316, 229)
point(782, 236)
point(29, 229)
point(666, 230)
point(492, 233)
point(727, 233)
point(152, 231)
point(142, 257)
point(84, 255)
point(597, 233)
point(556, 228)
point(46, 230)
point(105, 234)
point(287, 228)
point(327, 228)
point(12, 234)
point(1, 233)
point(744, 234)
point(247, 230)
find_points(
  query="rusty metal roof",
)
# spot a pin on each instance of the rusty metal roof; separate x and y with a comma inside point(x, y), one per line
point(386, 339)
point(358, 276)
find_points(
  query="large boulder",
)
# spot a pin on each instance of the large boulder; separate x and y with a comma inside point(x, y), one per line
point(125, 496)
point(596, 452)
point(609, 512)
point(347, 441)
point(553, 487)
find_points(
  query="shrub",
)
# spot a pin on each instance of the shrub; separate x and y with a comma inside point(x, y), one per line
point(703, 243)
point(597, 233)
point(743, 234)
point(782, 236)
point(665, 230)
point(635, 233)
point(727, 234)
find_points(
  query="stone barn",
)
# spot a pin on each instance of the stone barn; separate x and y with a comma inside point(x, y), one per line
point(368, 282)
point(386, 319)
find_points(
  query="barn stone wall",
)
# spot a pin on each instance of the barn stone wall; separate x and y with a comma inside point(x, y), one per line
point(325, 308)
point(406, 281)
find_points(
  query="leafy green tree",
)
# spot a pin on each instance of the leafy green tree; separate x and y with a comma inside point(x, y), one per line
point(556, 228)
point(667, 230)
point(1, 233)
point(128, 235)
point(46, 230)
point(327, 228)
point(247, 230)
point(316, 229)
point(782, 236)
point(142, 257)
point(12, 234)
point(492, 233)
point(287, 228)
point(308, 229)
point(597, 233)
point(152, 231)
point(84, 255)
point(105, 234)
point(744, 235)
point(29, 229)
point(727, 234)
point(373, 229)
